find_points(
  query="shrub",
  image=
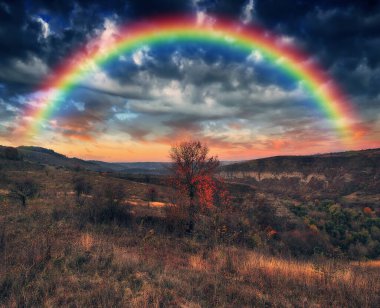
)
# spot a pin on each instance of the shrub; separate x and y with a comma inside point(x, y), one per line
point(367, 210)
point(81, 187)
point(108, 206)
point(357, 251)
point(305, 242)
point(176, 219)
point(151, 194)
point(265, 215)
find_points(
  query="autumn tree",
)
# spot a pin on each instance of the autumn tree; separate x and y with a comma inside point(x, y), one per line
point(193, 173)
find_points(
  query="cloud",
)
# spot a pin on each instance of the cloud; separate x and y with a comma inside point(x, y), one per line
point(255, 56)
point(162, 93)
point(141, 55)
point(99, 81)
point(247, 12)
point(30, 71)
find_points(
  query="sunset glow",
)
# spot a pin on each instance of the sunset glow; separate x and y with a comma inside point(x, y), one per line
point(145, 123)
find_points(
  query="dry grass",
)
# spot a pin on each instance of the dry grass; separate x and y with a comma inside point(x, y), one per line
point(282, 282)
point(47, 259)
point(112, 266)
point(369, 264)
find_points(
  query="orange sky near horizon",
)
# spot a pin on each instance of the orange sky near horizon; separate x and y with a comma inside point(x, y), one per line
point(112, 151)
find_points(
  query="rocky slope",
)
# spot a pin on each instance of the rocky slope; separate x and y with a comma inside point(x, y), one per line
point(344, 172)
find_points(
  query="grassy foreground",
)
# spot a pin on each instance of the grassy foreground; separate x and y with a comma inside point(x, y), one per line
point(51, 256)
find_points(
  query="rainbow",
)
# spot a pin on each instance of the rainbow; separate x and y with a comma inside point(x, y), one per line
point(293, 62)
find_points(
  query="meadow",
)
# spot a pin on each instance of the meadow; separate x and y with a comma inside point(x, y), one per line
point(53, 253)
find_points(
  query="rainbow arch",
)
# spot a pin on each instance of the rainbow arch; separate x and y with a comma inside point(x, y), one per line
point(292, 61)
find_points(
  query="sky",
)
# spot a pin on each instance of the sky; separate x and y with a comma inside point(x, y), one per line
point(238, 103)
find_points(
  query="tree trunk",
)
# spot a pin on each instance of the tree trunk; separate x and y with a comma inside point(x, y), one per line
point(192, 210)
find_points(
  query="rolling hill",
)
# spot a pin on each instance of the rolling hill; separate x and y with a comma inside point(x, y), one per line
point(343, 172)
point(44, 156)
point(340, 173)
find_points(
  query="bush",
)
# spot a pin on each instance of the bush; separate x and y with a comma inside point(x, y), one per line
point(176, 218)
point(108, 206)
point(305, 242)
point(265, 216)
point(151, 194)
point(81, 187)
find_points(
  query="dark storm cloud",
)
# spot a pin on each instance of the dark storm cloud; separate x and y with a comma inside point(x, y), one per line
point(224, 8)
point(86, 114)
point(36, 35)
point(25, 41)
point(342, 35)
point(147, 8)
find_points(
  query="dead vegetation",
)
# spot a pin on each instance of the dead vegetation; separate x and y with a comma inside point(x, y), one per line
point(55, 264)
point(51, 255)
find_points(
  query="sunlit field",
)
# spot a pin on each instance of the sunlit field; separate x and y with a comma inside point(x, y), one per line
point(52, 255)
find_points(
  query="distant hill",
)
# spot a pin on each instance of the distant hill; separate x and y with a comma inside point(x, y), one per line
point(50, 157)
point(342, 172)
point(45, 156)
point(137, 167)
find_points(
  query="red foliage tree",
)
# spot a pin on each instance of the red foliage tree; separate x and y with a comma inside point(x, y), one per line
point(193, 173)
point(367, 210)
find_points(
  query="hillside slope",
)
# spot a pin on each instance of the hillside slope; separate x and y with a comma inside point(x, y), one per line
point(335, 173)
point(344, 172)
point(43, 156)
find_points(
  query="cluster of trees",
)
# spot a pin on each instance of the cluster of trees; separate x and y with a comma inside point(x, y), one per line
point(351, 231)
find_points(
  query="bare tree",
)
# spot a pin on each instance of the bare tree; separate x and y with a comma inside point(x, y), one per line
point(23, 190)
point(192, 172)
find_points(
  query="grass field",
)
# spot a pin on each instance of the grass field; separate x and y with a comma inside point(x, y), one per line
point(51, 257)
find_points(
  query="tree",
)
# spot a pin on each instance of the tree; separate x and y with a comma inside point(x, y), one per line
point(193, 173)
point(23, 190)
